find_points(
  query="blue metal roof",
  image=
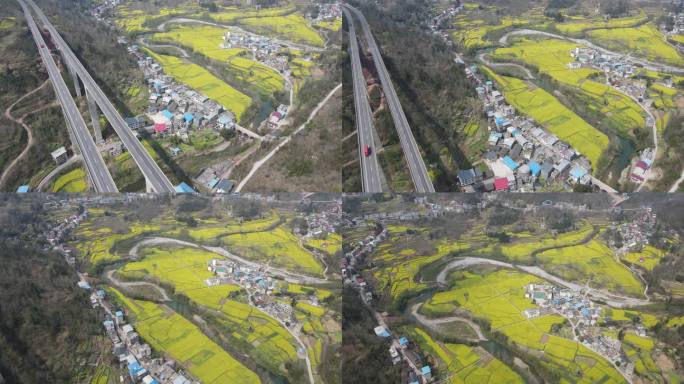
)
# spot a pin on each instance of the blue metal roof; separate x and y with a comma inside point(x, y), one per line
point(403, 341)
point(188, 117)
point(510, 163)
point(23, 189)
point(167, 114)
point(499, 121)
point(425, 370)
point(577, 172)
point(184, 188)
point(535, 168)
point(223, 119)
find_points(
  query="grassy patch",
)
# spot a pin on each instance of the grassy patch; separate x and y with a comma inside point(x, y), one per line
point(72, 182)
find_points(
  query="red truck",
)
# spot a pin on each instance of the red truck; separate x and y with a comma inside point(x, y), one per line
point(366, 150)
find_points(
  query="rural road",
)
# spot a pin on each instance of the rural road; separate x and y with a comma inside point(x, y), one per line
point(433, 323)
point(128, 284)
point(645, 63)
point(48, 178)
point(20, 121)
point(610, 299)
point(268, 156)
point(675, 186)
point(288, 276)
point(483, 58)
point(144, 43)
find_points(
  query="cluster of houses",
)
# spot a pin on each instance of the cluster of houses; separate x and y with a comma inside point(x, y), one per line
point(174, 108)
point(401, 349)
point(613, 65)
point(134, 355)
point(521, 156)
point(636, 233)
point(260, 287)
point(439, 21)
point(677, 24)
point(620, 74)
point(643, 164)
point(328, 12)
point(585, 318)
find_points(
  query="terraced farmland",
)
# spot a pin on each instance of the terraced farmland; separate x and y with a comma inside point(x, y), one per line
point(645, 41)
point(463, 364)
point(577, 25)
point(292, 27)
point(593, 263)
point(73, 181)
point(204, 82)
point(551, 57)
point(207, 40)
point(277, 247)
point(186, 270)
point(498, 298)
point(174, 335)
point(550, 113)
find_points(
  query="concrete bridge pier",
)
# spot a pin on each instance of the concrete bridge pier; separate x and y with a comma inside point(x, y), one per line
point(95, 117)
point(148, 186)
point(77, 82)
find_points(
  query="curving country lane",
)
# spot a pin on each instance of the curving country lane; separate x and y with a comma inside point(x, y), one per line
point(610, 299)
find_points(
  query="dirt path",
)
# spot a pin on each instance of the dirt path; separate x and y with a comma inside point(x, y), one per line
point(144, 43)
point(675, 186)
point(434, 323)
point(482, 57)
point(268, 156)
point(20, 121)
point(129, 284)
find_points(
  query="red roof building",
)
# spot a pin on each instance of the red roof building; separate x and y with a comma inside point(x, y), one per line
point(501, 184)
point(160, 127)
point(641, 164)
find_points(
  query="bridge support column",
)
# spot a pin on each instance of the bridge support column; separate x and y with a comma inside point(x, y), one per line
point(95, 117)
point(77, 84)
point(148, 186)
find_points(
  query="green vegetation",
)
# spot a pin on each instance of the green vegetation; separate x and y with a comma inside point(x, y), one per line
point(291, 27)
point(498, 297)
point(333, 25)
point(645, 41)
point(577, 25)
point(397, 266)
point(172, 334)
point(186, 270)
point(549, 112)
point(8, 22)
point(647, 258)
point(207, 40)
point(618, 112)
point(464, 364)
point(278, 247)
point(73, 182)
point(594, 263)
point(101, 239)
